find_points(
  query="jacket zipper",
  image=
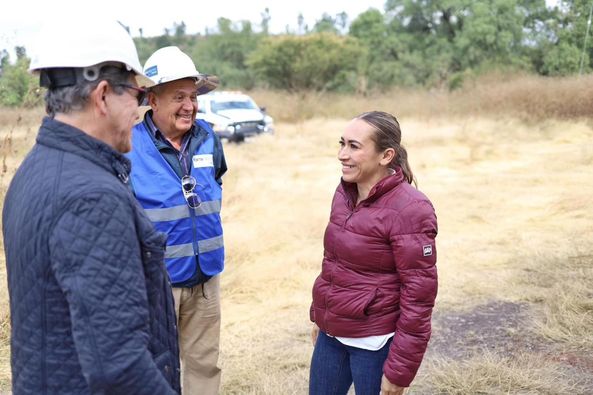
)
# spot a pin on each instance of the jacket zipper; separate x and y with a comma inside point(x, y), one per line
point(192, 214)
point(331, 274)
point(194, 231)
point(331, 284)
point(347, 219)
point(46, 274)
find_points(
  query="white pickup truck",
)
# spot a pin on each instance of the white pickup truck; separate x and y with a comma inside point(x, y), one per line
point(234, 115)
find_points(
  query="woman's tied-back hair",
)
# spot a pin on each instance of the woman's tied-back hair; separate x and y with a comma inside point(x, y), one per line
point(388, 135)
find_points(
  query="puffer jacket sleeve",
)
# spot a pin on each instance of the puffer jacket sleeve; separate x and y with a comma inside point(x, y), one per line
point(96, 260)
point(414, 252)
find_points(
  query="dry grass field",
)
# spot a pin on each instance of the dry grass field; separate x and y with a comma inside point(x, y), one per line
point(515, 306)
point(513, 196)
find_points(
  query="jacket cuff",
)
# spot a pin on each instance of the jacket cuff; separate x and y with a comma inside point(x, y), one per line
point(397, 379)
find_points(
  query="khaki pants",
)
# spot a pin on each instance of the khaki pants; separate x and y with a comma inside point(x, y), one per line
point(198, 323)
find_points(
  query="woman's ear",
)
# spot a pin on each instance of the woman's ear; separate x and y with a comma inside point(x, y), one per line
point(388, 156)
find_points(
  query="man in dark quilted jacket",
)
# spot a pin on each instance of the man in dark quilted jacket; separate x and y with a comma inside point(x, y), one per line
point(91, 306)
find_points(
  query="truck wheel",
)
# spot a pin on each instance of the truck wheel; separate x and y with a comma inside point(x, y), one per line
point(237, 138)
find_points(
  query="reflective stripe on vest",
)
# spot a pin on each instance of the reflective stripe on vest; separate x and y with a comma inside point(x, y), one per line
point(178, 212)
point(190, 232)
point(181, 250)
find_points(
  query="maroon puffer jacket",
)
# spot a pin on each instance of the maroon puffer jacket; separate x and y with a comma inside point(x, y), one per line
point(379, 271)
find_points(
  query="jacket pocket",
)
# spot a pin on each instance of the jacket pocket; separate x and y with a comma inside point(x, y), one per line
point(350, 302)
point(164, 363)
point(153, 260)
point(160, 299)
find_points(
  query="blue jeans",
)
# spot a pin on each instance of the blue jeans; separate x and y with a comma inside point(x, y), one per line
point(335, 366)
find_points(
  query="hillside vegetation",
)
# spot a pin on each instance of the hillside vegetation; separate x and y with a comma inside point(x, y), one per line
point(409, 43)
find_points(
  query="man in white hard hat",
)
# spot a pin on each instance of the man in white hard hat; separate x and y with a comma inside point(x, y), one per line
point(91, 307)
point(177, 165)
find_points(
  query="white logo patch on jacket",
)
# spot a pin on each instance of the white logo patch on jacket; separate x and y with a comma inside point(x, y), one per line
point(427, 250)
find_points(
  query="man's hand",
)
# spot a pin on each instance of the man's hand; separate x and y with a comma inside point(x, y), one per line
point(314, 333)
point(387, 388)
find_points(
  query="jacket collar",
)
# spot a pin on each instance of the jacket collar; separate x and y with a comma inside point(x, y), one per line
point(63, 137)
point(384, 185)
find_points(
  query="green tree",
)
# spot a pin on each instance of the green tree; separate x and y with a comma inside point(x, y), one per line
point(179, 36)
point(492, 33)
point(342, 22)
point(225, 54)
point(425, 32)
point(570, 33)
point(539, 32)
point(369, 27)
point(398, 51)
point(265, 21)
point(164, 40)
point(562, 59)
point(442, 39)
point(302, 27)
point(18, 87)
point(145, 47)
point(320, 61)
point(327, 24)
point(4, 59)
point(380, 64)
point(428, 17)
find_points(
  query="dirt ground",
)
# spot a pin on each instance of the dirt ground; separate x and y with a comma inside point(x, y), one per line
point(504, 329)
point(500, 327)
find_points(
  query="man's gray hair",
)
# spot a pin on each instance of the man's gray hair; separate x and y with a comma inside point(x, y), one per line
point(74, 97)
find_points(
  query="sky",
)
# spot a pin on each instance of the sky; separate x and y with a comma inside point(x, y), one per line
point(20, 21)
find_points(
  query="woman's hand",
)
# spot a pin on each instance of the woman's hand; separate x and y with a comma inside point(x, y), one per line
point(314, 333)
point(387, 388)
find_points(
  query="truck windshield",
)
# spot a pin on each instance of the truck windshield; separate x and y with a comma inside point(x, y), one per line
point(233, 105)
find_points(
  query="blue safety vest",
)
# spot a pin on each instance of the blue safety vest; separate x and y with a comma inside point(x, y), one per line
point(194, 235)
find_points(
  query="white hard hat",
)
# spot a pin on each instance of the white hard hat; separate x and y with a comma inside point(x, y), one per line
point(170, 64)
point(78, 43)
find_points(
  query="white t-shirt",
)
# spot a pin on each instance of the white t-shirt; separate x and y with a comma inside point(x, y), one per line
point(371, 343)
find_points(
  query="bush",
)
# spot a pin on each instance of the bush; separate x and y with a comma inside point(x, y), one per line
point(563, 59)
point(322, 61)
point(18, 86)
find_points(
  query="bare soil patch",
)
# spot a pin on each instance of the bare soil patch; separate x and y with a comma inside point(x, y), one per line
point(505, 329)
point(498, 326)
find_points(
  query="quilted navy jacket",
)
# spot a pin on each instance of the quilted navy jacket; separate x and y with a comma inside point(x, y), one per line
point(379, 271)
point(91, 306)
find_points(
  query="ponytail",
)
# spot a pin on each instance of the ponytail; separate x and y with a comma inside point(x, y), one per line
point(401, 160)
point(388, 135)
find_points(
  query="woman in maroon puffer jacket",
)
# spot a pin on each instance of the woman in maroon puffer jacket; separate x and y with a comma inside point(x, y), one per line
point(372, 302)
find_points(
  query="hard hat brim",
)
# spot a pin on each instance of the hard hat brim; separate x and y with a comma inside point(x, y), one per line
point(143, 81)
point(207, 83)
point(204, 82)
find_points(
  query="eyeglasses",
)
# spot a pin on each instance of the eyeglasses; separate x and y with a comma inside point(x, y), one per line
point(188, 184)
point(140, 93)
